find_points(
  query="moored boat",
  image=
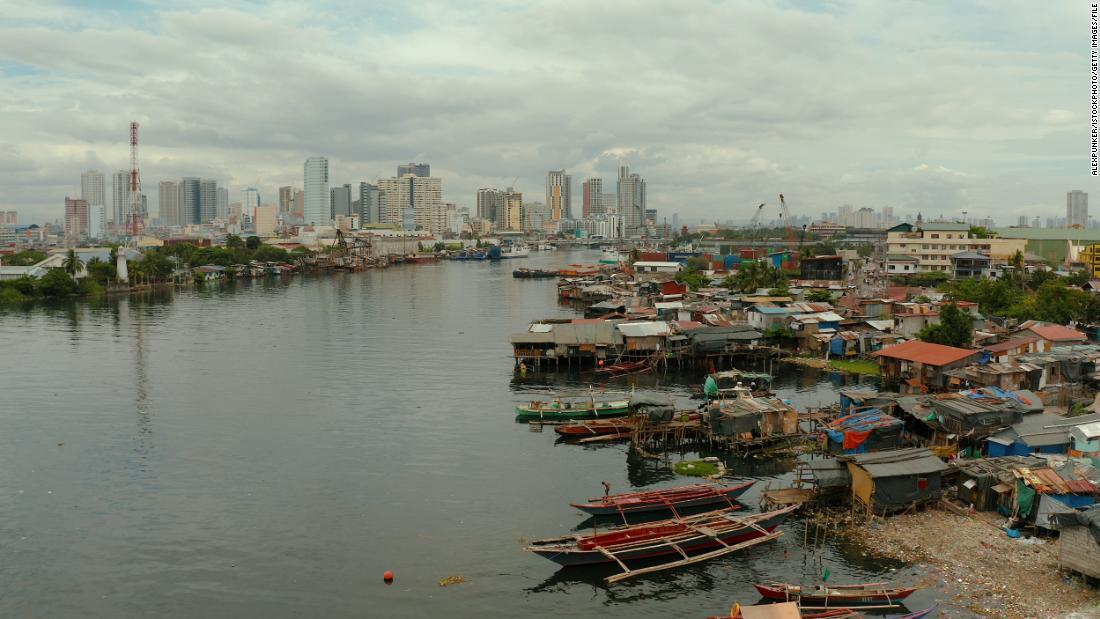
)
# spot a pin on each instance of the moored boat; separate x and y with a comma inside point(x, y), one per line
point(722, 529)
point(595, 427)
point(791, 610)
point(514, 250)
point(665, 499)
point(533, 273)
point(840, 595)
point(624, 367)
point(566, 410)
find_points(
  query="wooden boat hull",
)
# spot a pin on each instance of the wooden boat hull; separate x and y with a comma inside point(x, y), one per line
point(561, 552)
point(596, 427)
point(550, 413)
point(838, 596)
point(654, 503)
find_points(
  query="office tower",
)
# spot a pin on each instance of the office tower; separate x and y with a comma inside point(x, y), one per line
point(340, 201)
point(631, 199)
point(1035, 223)
point(844, 216)
point(208, 200)
point(169, 200)
point(286, 199)
point(887, 217)
point(490, 205)
point(221, 206)
point(416, 169)
point(298, 205)
point(317, 198)
point(651, 217)
point(120, 196)
point(189, 201)
point(250, 201)
point(76, 218)
point(93, 188)
point(1021, 221)
point(263, 222)
point(9, 217)
point(535, 216)
point(415, 201)
point(559, 194)
point(1077, 208)
point(369, 203)
point(513, 210)
point(592, 197)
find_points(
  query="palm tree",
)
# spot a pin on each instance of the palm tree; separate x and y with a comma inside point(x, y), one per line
point(71, 264)
point(1017, 263)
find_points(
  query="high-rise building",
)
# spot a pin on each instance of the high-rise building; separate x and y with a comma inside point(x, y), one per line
point(76, 218)
point(631, 199)
point(1036, 223)
point(222, 203)
point(651, 217)
point(250, 201)
point(298, 206)
point(490, 205)
point(513, 210)
point(9, 217)
point(286, 199)
point(340, 201)
point(413, 200)
point(190, 201)
point(559, 194)
point(1021, 221)
point(263, 223)
point(93, 187)
point(592, 197)
point(535, 216)
point(169, 199)
point(1077, 209)
point(416, 169)
point(887, 217)
point(208, 200)
point(369, 203)
point(120, 197)
point(317, 198)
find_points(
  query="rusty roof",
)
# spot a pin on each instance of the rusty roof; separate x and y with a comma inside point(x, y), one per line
point(926, 352)
point(1058, 333)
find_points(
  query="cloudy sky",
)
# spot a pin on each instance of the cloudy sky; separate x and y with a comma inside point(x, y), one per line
point(932, 106)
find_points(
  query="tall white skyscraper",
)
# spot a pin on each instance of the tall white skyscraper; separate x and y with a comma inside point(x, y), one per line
point(559, 194)
point(318, 205)
point(93, 190)
point(120, 196)
point(222, 203)
point(250, 201)
point(631, 199)
point(1077, 209)
point(208, 200)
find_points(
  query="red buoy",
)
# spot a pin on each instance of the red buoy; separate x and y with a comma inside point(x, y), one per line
point(388, 577)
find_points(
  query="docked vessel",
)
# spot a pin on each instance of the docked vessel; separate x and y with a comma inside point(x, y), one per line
point(514, 251)
point(565, 410)
point(665, 500)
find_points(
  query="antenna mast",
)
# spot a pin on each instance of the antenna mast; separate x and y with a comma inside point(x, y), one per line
point(135, 217)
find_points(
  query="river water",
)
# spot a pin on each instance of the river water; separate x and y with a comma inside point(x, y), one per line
point(269, 448)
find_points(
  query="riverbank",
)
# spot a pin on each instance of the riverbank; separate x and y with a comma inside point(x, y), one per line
point(995, 575)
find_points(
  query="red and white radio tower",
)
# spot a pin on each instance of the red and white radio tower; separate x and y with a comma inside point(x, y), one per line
point(135, 215)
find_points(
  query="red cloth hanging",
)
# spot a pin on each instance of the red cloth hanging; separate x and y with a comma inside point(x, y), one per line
point(853, 439)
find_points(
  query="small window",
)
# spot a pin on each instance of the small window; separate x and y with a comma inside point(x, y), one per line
point(935, 236)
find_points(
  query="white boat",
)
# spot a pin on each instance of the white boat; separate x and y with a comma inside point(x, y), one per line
point(514, 251)
point(547, 247)
point(611, 256)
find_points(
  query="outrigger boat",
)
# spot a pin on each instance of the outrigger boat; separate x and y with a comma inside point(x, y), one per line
point(623, 368)
point(840, 595)
point(716, 533)
point(665, 500)
point(791, 610)
point(585, 428)
point(568, 410)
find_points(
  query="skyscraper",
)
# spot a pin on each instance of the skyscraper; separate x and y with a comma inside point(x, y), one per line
point(513, 210)
point(490, 205)
point(416, 169)
point(340, 201)
point(250, 201)
point(559, 194)
point(631, 199)
point(286, 199)
point(317, 199)
point(120, 196)
point(189, 201)
point(413, 200)
point(169, 195)
point(369, 203)
point(222, 204)
point(1077, 209)
point(76, 218)
point(208, 200)
point(592, 197)
point(93, 190)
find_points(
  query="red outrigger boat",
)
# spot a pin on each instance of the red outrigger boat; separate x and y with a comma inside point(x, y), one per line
point(717, 533)
point(600, 427)
point(623, 368)
point(840, 595)
point(791, 610)
point(665, 500)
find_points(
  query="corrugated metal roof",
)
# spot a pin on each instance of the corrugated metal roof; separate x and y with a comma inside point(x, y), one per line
point(926, 352)
point(643, 329)
point(899, 462)
point(539, 327)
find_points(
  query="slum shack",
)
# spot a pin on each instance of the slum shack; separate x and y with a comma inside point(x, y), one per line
point(831, 480)
point(1007, 376)
point(1035, 433)
point(975, 414)
point(921, 365)
point(747, 418)
point(854, 399)
point(869, 430)
point(891, 481)
point(1078, 548)
point(987, 484)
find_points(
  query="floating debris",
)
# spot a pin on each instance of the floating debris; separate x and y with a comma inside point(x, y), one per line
point(452, 580)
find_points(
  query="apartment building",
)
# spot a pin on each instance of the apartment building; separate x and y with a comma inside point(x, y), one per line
point(933, 244)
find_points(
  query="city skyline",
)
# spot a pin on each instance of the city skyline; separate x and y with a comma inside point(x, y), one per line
point(709, 148)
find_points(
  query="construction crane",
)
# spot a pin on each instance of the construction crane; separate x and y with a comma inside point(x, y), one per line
point(785, 216)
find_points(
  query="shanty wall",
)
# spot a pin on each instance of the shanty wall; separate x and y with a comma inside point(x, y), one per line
point(1078, 551)
point(863, 487)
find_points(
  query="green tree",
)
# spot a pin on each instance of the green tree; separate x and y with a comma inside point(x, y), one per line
point(1040, 277)
point(251, 243)
point(1078, 278)
point(71, 264)
point(865, 250)
point(100, 272)
point(978, 232)
point(56, 283)
point(819, 296)
point(234, 242)
point(25, 258)
point(1054, 302)
point(956, 328)
point(156, 266)
point(270, 253)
